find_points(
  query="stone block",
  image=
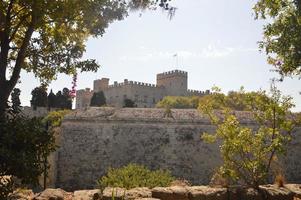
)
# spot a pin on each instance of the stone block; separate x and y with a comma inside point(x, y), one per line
point(272, 192)
point(207, 193)
point(170, 193)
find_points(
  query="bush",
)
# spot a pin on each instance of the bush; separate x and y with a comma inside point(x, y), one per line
point(134, 175)
point(55, 117)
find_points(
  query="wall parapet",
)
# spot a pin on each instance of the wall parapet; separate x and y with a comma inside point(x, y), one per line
point(171, 74)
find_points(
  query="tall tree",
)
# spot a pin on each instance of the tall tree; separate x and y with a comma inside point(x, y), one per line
point(67, 99)
point(48, 37)
point(15, 100)
point(51, 100)
point(282, 34)
point(98, 99)
point(39, 97)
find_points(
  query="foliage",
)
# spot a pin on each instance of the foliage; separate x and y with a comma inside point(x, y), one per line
point(24, 145)
point(248, 153)
point(178, 102)
point(39, 97)
point(54, 118)
point(128, 103)
point(134, 175)
point(98, 99)
point(48, 37)
point(15, 100)
point(282, 34)
point(236, 100)
point(51, 100)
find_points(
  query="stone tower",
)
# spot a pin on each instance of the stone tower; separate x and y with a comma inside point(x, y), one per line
point(174, 82)
point(101, 84)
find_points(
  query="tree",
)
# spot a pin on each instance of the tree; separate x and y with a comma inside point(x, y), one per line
point(39, 97)
point(282, 35)
point(24, 145)
point(48, 37)
point(51, 100)
point(128, 103)
point(247, 152)
point(67, 101)
point(98, 99)
point(15, 100)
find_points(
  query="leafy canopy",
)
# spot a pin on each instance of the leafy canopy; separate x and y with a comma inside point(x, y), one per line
point(282, 34)
point(248, 152)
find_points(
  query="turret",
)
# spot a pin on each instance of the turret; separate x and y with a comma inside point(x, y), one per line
point(174, 82)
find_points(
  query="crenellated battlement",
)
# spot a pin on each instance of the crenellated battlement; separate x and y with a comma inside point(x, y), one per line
point(171, 74)
point(145, 95)
point(197, 92)
point(132, 83)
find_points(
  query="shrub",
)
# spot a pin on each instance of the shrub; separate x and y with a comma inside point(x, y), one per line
point(134, 175)
point(247, 153)
point(55, 117)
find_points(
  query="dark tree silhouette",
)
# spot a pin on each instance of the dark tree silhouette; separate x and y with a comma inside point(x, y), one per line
point(98, 99)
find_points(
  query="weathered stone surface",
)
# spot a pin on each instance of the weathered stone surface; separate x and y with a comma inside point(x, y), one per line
point(87, 195)
point(207, 193)
point(295, 188)
point(53, 194)
point(118, 193)
point(21, 194)
point(147, 199)
point(244, 193)
point(170, 193)
point(136, 193)
point(272, 192)
point(99, 138)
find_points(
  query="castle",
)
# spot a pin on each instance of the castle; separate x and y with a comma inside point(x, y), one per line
point(144, 95)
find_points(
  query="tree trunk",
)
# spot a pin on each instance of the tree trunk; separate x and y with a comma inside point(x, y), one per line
point(4, 95)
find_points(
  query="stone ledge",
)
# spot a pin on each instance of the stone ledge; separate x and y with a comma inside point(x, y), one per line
point(265, 192)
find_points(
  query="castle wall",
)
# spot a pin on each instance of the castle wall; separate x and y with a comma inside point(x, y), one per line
point(83, 98)
point(175, 82)
point(99, 138)
point(143, 94)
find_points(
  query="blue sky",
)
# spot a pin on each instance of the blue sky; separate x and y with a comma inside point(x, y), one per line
point(216, 43)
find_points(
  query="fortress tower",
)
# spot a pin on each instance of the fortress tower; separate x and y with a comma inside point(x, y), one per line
point(101, 84)
point(174, 82)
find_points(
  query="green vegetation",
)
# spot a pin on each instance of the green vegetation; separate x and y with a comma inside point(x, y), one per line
point(24, 146)
point(98, 99)
point(178, 102)
point(248, 153)
point(282, 34)
point(235, 100)
point(134, 175)
point(48, 37)
point(38, 97)
point(55, 118)
point(128, 103)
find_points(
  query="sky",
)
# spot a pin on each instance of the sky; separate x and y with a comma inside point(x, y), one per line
point(216, 42)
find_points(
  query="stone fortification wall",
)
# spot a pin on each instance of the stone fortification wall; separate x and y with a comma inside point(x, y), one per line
point(98, 138)
point(143, 94)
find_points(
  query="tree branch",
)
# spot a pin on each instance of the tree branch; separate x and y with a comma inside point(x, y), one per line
point(21, 54)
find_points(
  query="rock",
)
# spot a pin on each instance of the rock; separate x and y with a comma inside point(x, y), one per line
point(87, 195)
point(295, 188)
point(244, 193)
point(21, 194)
point(272, 192)
point(119, 193)
point(53, 194)
point(147, 199)
point(207, 193)
point(170, 193)
point(136, 193)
